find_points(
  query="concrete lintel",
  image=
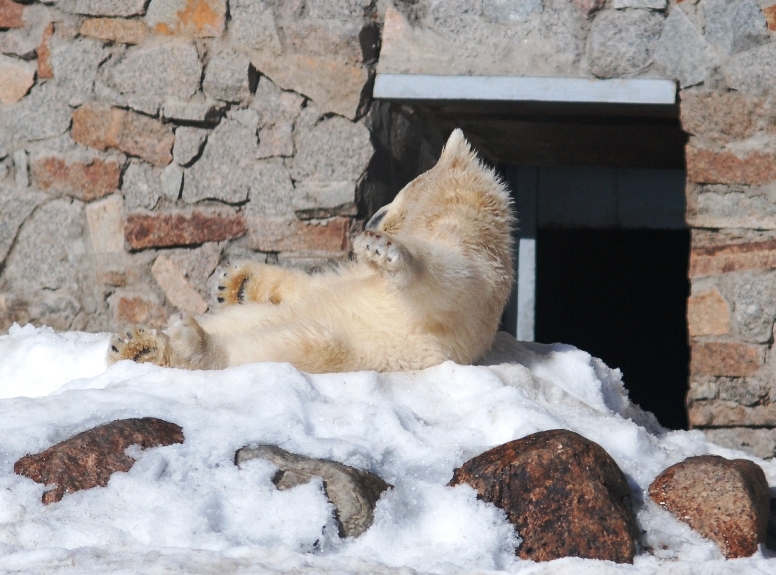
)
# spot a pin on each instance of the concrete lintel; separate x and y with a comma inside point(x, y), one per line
point(426, 87)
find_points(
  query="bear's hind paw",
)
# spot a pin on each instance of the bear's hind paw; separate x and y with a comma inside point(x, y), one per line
point(231, 288)
point(140, 345)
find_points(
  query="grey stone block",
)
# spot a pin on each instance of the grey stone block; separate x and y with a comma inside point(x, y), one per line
point(621, 43)
point(224, 170)
point(172, 181)
point(188, 144)
point(271, 189)
point(169, 69)
point(720, 206)
point(5, 143)
point(15, 208)
point(505, 11)
point(754, 305)
point(456, 19)
point(196, 109)
point(276, 141)
point(652, 4)
point(333, 150)
point(752, 71)
point(49, 249)
point(758, 442)
point(275, 105)
point(44, 113)
point(354, 493)
point(141, 186)
point(339, 9)
point(324, 199)
point(75, 66)
point(226, 76)
point(682, 53)
point(104, 7)
point(253, 25)
point(734, 25)
point(246, 116)
point(743, 391)
point(21, 168)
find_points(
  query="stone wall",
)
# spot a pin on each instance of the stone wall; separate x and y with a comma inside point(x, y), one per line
point(143, 144)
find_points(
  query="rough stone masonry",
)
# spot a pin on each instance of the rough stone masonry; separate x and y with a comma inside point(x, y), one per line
point(144, 143)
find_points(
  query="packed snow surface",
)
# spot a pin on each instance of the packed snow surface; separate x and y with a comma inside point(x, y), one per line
point(188, 508)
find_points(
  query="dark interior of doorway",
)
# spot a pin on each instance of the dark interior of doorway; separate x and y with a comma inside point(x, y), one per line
point(621, 295)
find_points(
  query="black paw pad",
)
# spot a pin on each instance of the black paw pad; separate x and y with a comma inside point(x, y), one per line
point(241, 290)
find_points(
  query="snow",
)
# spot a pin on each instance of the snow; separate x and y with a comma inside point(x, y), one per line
point(188, 508)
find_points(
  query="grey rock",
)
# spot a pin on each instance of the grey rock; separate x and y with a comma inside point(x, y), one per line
point(682, 53)
point(198, 266)
point(652, 4)
point(622, 42)
point(21, 168)
point(148, 104)
point(456, 19)
point(275, 105)
point(197, 109)
point(276, 141)
point(55, 309)
point(15, 208)
point(141, 185)
point(324, 199)
point(75, 64)
point(333, 150)
point(271, 189)
point(253, 25)
point(721, 206)
point(188, 144)
point(246, 116)
point(23, 42)
point(226, 77)
point(754, 306)
point(172, 181)
point(505, 11)
point(758, 442)
point(743, 391)
point(224, 170)
point(339, 9)
point(752, 71)
point(104, 7)
point(4, 143)
point(49, 249)
point(734, 25)
point(351, 40)
point(44, 113)
point(354, 493)
point(169, 69)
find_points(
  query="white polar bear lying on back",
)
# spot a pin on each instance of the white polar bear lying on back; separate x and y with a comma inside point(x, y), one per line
point(432, 273)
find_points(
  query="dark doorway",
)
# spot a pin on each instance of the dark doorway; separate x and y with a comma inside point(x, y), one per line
point(621, 295)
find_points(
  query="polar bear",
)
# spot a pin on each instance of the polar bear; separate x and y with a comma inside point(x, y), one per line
point(431, 276)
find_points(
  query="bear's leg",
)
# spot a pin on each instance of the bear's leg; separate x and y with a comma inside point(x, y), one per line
point(248, 281)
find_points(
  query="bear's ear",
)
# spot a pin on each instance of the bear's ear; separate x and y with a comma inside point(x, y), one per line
point(457, 151)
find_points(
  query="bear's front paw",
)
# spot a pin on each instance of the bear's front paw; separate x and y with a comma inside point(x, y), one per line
point(140, 345)
point(231, 288)
point(380, 249)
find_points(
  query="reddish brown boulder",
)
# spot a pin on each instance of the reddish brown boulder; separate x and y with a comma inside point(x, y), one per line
point(725, 500)
point(90, 458)
point(160, 230)
point(563, 493)
point(11, 14)
point(86, 181)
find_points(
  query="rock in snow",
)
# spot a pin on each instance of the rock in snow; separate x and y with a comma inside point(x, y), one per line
point(563, 493)
point(353, 492)
point(91, 457)
point(726, 501)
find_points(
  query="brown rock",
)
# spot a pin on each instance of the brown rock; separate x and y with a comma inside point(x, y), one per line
point(179, 291)
point(770, 16)
point(354, 493)
point(269, 234)
point(44, 53)
point(147, 230)
point(16, 79)
point(713, 167)
point(725, 500)
point(86, 181)
point(723, 117)
point(715, 260)
point(89, 459)
point(101, 127)
point(708, 313)
point(726, 358)
point(193, 18)
point(11, 14)
point(135, 309)
point(563, 493)
point(115, 30)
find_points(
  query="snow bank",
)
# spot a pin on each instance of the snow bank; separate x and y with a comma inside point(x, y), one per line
point(188, 508)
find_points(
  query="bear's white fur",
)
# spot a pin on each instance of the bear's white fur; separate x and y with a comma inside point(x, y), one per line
point(431, 276)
